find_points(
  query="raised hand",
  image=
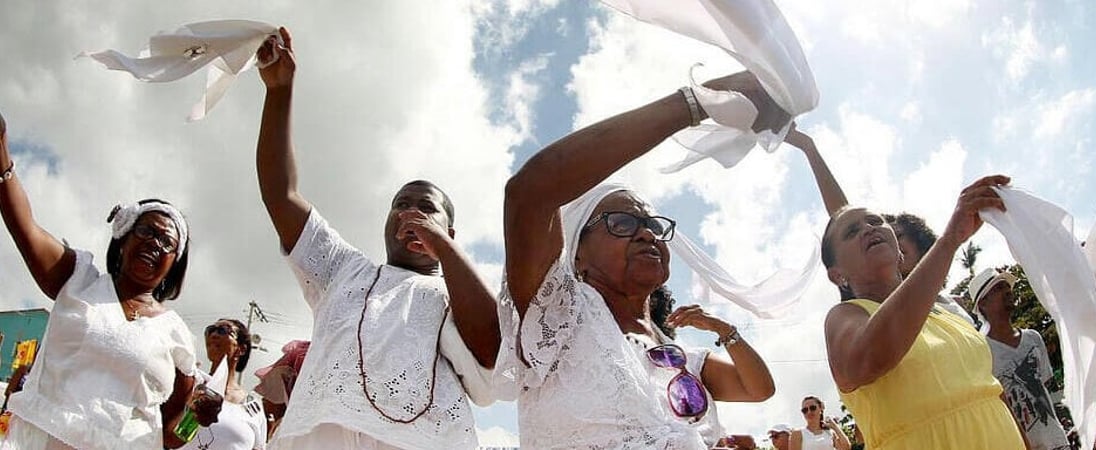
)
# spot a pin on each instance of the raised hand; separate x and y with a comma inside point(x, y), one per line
point(206, 405)
point(279, 72)
point(695, 316)
point(429, 236)
point(798, 138)
point(965, 220)
point(770, 116)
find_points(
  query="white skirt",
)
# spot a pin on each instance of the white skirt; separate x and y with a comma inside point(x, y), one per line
point(329, 436)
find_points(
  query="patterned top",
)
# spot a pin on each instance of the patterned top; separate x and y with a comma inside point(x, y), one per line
point(585, 385)
point(100, 379)
point(400, 340)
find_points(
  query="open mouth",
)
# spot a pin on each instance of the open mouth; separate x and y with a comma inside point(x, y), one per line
point(873, 241)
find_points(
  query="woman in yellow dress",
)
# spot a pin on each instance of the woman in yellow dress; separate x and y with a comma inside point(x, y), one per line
point(913, 376)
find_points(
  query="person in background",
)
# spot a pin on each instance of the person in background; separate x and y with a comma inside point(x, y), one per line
point(1020, 361)
point(821, 432)
point(242, 423)
point(780, 435)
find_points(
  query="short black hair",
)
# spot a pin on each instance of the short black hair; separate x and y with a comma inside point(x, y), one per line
point(172, 284)
point(661, 305)
point(915, 227)
point(243, 340)
point(446, 202)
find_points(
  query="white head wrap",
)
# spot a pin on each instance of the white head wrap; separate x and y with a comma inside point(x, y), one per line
point(774, 297)
point(125, 216)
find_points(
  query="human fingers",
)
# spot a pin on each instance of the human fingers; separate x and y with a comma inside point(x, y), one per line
point(287, 39)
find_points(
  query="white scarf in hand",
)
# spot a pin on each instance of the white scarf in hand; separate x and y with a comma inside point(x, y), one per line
point(755, 33)
point(230, 45)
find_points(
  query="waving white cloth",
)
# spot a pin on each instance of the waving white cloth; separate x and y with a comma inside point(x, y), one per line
point(772, 298)
point(755, 33)
point(230, 45)
point(1040, 236)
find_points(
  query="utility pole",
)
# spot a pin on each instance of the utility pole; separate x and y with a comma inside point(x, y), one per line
point(255, 312)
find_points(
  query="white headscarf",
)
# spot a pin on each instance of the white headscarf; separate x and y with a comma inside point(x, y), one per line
point(125, 216)
point(772, 298)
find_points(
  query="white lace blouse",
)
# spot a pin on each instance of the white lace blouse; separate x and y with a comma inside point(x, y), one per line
point(585, 385)
point(100, 379)
point(405, 313)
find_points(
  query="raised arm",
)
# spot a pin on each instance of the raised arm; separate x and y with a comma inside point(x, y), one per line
point(49, 261)
point(832, 195)
point(862, 348)
point(474, 310)
point(274, 157)
point(570, 166)
point(743, 377)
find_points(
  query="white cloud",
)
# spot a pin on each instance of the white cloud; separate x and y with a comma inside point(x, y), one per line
point(1053, 117)
point(523, 92)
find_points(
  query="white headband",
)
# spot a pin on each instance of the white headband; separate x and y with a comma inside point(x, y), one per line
point(774, 297)
point(124, 217)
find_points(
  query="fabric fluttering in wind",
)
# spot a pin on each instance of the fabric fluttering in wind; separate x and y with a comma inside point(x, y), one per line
point(774, 297)
point(755, 33)
point(1040, 237)
point(228, 46)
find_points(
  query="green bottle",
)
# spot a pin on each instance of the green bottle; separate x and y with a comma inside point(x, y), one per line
point(188, 426)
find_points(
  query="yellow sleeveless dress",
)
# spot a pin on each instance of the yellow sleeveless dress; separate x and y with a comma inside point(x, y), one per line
point(941, 396)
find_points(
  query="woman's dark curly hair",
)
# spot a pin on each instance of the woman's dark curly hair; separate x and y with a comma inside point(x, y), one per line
point(662, 304)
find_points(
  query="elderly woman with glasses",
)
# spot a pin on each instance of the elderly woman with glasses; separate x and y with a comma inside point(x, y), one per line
point(914, 376)
point(582, 260)
point(242, 422)
point(117, 366)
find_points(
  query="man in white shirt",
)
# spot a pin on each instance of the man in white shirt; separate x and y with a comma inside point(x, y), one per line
point(397, 348)
point(1020, 361)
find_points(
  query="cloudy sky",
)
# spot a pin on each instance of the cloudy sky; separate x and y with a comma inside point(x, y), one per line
point(918, 98)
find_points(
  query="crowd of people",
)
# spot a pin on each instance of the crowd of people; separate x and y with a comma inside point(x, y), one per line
point(582, 334)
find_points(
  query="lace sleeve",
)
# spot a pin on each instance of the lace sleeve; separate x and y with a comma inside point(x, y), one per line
point(550, 322)
point(317, 257)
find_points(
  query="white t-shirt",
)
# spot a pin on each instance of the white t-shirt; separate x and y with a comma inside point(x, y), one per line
point(406, 312)
point(1023, 372)
point(820, 441)
point(239, 426)
point(585, 385)
point(99, 379)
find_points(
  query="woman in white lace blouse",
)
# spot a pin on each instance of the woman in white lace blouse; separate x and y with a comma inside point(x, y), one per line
point(116, 367)
point(596, 372)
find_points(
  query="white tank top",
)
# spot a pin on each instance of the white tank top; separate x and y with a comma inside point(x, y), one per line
point(822, 441)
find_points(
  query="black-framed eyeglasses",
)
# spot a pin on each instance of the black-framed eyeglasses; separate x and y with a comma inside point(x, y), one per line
point(222, 329)
point(146, 232)
point(811, 408)
point(626, 225)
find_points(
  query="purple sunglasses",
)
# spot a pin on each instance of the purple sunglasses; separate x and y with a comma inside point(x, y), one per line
point(686, 393)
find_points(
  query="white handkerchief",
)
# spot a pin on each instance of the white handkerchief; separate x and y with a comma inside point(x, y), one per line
point(1040, 236)
point(230, 45)
point(755, 33)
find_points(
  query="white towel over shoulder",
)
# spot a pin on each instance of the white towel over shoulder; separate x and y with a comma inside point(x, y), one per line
point(755, 33)
point(230, 45)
